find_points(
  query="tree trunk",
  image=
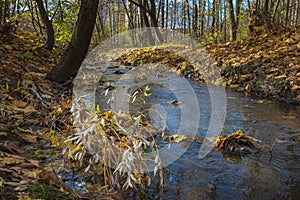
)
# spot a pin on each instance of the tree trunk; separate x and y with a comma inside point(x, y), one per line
point(143, 5)
point(202, 19)
point(75, 53)
point(1, 12)
point(266, 16)
point(49, 28)
point(225, 21)
point(154, 21)
point(163, 13)
point(234, 18)
point(167, 14)
point(188, 15)
point(129, 16)
point(175, 15)
point(297, 12)
point(287, 12)
point(195, 19)
point(275, 10)
point(213, 23)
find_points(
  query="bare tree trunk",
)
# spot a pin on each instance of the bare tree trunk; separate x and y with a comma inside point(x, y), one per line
point(175, 14)
point(75, 53)
point(194, 18)
point(49, 28)
point(266, 15)
point(287, 12)
point(213, 23)
point(146, 21)
point(154, 20)
point(152, 13)
point(129, 16)
point(188, 16)
point(163, 13)
point(275, 10)
point(1, 12)
point(167, 14)
point(297, 12)
point(101, 25)
point(234, 17)
point(184, 17)
point(202, 18)
point(225, 21)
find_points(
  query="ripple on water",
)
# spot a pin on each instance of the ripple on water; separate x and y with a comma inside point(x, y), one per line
point(259, 176)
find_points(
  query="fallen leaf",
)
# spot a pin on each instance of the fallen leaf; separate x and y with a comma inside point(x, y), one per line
point(20, 104)
point(175, 102)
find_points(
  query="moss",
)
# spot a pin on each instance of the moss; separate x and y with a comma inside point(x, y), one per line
point(45, 192)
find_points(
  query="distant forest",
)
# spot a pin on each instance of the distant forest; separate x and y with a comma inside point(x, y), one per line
point(208, 21)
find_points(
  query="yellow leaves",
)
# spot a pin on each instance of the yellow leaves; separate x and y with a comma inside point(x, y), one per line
point(295, 87)
point(182, 68)
point(234, 85)
point(263, 101)
point(24, 197)
point(175, 138)
point(235, 143)
point(75, 149)
point(30, 138)
point(55, 139)
point(28, 135)
point(248, 88)
point(281, 76)
point(138, 177)
point(26, 93)
point(288, 116)
point(35, 74)
point(10, 161)
point(108, 115)
point(175, 102)
point(24, 107)
point(27, 110)
point(19, 104)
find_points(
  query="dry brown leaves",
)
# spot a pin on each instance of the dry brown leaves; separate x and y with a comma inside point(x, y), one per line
point(267, 65)
point(28, 104)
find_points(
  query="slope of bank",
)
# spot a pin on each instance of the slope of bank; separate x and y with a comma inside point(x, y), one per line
point(267, 66)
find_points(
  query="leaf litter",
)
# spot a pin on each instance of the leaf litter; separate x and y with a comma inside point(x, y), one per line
point(35, 117)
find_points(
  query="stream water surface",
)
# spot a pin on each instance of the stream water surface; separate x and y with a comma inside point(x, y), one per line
point(263, 175)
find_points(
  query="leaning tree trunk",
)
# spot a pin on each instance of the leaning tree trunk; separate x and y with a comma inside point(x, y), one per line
point(75, 53)
point(49, 28)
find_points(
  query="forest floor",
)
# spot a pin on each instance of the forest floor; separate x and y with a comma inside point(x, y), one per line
point(266, 66)
point(34, 112)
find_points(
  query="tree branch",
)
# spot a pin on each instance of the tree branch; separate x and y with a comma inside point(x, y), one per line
point(139, 5)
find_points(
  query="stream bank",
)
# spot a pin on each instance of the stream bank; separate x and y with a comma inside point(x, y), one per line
point(266, 66)
point(30, 104)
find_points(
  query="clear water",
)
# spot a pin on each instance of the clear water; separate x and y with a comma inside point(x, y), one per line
point(265, 175)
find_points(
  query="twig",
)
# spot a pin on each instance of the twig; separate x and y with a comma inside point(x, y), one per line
point(274, 143)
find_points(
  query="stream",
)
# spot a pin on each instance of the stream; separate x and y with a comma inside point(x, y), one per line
point(263, 175)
